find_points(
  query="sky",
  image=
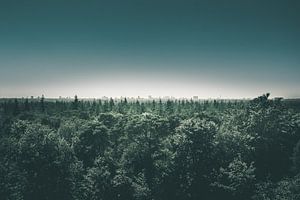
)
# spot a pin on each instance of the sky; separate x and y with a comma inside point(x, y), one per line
point(180, 48)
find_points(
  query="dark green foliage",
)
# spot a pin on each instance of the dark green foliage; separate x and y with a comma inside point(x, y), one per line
point(76, 103)
point(16, 109)
point(236, 181)
point(158, 150)
point(92, 141)
point(296, 158)
point(43, 103)
point(194, 159)
point(41, 161)
point(286, 189)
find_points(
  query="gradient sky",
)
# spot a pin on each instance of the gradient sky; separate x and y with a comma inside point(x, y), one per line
point(181, 48)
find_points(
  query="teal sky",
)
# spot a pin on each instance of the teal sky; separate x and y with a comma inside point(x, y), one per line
point(181, 48)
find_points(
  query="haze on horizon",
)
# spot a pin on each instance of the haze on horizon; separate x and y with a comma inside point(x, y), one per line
point(180, 48)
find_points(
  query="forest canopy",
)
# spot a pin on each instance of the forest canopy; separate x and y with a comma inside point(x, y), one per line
point(156, 149)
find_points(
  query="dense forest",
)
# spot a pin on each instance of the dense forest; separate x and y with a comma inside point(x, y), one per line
point(110, 149)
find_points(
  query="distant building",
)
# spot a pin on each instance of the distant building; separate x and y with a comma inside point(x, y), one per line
point(105, 98)
point(278, 98)
point(195, 98)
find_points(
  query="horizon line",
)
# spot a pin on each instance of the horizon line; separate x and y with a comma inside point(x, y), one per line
point(150, 97)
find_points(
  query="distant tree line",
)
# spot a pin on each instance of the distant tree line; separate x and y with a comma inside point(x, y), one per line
point(123, 106)
point(156, 150)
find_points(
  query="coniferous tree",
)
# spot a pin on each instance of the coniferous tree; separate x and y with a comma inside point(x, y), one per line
point(111, 104)
point(42, 103)
point(26, 105)
point(16, 108)
point(75, 103)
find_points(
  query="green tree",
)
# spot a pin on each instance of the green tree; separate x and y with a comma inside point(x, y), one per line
point(146, 151)
point(92, 142)
point(237, 180)
point(42, 102)
point(45, 159)
point(75, 103)
point(16, 108)
point(194, 141)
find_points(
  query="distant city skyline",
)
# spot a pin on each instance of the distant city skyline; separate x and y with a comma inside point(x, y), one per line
point(181, 48)
point(142, 98)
